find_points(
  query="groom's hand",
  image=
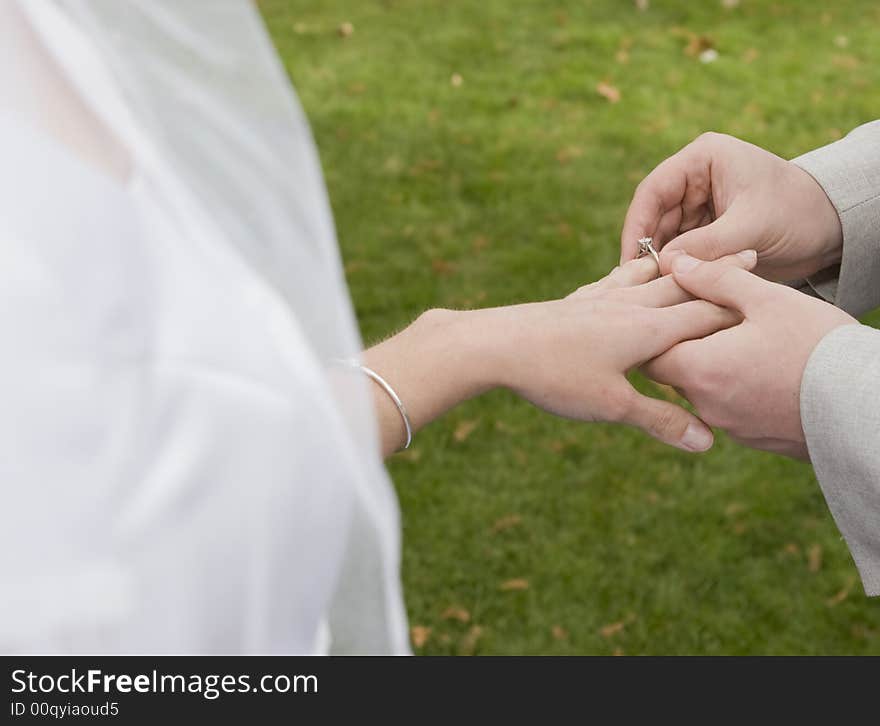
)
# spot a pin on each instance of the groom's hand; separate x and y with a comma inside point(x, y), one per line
point(746, 379)
point(720, 195)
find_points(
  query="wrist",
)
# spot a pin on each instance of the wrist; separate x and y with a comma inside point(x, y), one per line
point(828, 228)
point(466, 346)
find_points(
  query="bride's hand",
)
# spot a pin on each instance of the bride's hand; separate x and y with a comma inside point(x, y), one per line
point(569, 357)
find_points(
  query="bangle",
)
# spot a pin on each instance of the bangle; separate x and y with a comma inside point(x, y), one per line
point(391, 394)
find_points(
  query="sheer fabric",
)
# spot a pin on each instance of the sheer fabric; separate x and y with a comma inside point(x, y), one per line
point(182, 473)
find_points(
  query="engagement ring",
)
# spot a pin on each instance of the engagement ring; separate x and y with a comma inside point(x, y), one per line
point(646, 247)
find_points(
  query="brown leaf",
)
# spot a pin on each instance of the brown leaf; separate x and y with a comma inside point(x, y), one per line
point(411, 454)
point(607, 91)
point(697, 44)
point(453, 612)
point(734, 508)
point(419, 635)
point(840, 596)
point(642, 5)
point(456, 80)
point(469, 642)
point(517, 583)
point(814, 558)
point(465, 429)
point(506, 522)
point(345, 30)
point(443, 267)
point(559, 633)
point(791, 549)
point(567, 153)
point(612, 629)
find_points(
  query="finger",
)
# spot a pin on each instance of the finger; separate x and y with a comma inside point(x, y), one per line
point(659, 293)
point(667, 422)
point(665, 291)
point(675, 366)
point(661, 191)
point(725, 236)
point(722, 284)
point(688, 321)
point(635, 272)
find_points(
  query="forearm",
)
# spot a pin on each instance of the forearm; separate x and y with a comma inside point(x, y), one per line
point(443, 358)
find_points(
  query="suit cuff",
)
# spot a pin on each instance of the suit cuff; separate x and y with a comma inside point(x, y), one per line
point(840, 414)
point(849, 172)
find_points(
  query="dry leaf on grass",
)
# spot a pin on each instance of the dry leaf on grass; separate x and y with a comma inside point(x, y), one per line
point(506, 522)
point(345, 30)
point(814, 558)
point(842, 595)
point(464, 429)
point(612, 629)
point(607, 91)
point(456, 80)
point(697, 44)
point(469, 642)
point(559, 633)
point(442, 267)
point(517, 583)
point(419, 635)
point(453, 612)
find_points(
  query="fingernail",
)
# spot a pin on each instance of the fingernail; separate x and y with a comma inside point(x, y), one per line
point(684, 263)
point(750, 257)
point(696, 438)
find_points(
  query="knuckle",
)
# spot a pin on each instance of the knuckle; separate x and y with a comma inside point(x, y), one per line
point(664, 422)
point(711, 137)
point(712, 247)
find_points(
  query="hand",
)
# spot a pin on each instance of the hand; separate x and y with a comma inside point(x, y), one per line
point(570, 357)
point(720, 195)
point(747, 379)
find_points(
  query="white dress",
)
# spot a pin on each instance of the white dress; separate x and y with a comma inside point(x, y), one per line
point(179, 471)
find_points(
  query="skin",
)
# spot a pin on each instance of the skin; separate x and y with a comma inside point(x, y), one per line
point(720, 195)
point(568, 357)
point(747, 379)
point(716, 196)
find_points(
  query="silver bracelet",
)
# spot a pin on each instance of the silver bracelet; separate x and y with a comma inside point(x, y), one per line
point(391, 394)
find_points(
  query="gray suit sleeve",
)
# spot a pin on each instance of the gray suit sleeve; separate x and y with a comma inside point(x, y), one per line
point(840, 412)
point(849, 172)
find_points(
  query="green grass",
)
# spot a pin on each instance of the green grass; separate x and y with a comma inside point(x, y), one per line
point(512, 186)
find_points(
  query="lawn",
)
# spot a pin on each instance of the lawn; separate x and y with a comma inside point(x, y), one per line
point(471, 161)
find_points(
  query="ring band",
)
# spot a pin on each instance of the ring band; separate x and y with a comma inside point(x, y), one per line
point(646, 247)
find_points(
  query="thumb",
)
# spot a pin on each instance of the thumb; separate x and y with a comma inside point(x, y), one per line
point(720, 283)
point(668, 423)
point(711, 242)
